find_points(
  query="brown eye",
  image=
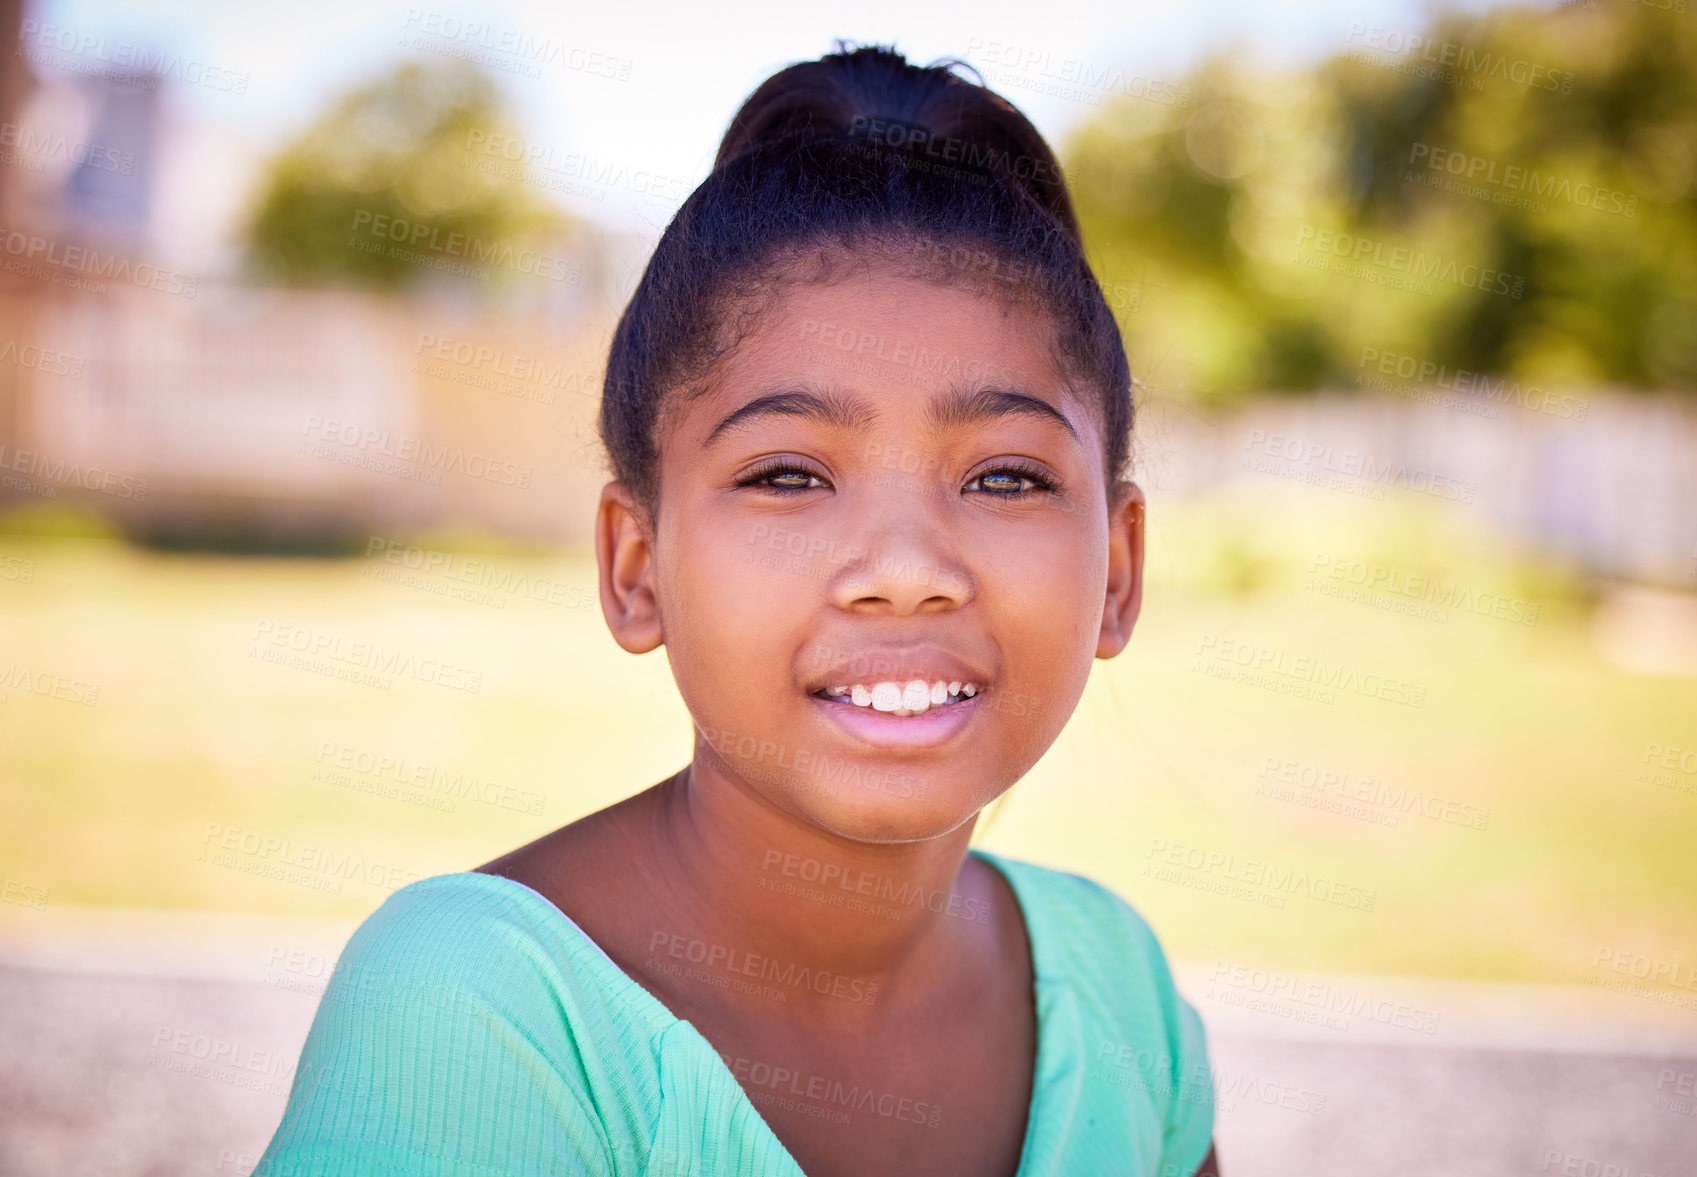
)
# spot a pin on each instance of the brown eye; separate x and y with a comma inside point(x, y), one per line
point(783, 478)
point(1012, 482)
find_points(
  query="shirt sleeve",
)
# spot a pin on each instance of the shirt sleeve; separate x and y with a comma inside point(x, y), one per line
point(1189, 1128)
point(438, 1050)
point(1187, 1121)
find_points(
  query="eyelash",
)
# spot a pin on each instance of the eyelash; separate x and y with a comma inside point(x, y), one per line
point(1042, 483)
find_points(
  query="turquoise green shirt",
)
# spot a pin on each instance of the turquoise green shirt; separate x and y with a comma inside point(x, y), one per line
point(471, 1029)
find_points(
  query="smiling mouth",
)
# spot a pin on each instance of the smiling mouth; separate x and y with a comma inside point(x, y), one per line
point(912, 697)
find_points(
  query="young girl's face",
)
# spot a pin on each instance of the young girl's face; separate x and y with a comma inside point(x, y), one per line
point(887, 482)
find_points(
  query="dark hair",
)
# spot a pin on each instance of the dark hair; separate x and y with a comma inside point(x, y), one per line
point(858, 150)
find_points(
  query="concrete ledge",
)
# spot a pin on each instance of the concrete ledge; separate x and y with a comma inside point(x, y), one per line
point(1457, 1015)
point(1605, 1018)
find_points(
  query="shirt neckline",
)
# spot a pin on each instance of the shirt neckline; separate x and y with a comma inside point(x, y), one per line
point(657, 1013)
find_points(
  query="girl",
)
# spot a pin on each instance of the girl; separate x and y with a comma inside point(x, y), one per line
point(869, 417)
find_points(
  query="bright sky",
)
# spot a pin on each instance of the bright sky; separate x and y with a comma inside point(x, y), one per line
point(686, 67)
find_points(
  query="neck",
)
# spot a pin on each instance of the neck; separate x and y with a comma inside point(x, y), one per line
point(838, 927)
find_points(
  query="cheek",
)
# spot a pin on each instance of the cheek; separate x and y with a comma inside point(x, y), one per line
point(1055, 577)
point(724, 598)
point(1051, 595)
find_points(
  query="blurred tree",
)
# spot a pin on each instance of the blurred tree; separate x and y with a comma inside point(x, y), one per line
point(1538, 168)
point(401, 167)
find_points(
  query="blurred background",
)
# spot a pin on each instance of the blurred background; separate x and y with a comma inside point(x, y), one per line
point(303, 311)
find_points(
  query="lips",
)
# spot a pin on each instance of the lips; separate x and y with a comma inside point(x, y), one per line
point(893, 697)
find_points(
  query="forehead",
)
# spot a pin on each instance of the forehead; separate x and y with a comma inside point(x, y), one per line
point(893, 337)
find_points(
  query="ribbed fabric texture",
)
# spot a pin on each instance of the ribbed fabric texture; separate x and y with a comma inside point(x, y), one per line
point(472, 1030)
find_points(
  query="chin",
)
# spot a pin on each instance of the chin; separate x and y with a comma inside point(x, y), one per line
point(887, 822)
point(869, 802)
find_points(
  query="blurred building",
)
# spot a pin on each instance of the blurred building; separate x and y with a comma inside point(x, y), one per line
point(139, 379)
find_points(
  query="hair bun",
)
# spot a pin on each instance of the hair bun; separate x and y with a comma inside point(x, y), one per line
point(925, 116)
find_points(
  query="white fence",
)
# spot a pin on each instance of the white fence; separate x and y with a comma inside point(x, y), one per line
point(1612, 485)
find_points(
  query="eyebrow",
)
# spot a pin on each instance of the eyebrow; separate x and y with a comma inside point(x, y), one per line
point(968, 406)
point(826, 407)
point(963, 405)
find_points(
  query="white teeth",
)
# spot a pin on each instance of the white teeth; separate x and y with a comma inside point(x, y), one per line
point(914, 697)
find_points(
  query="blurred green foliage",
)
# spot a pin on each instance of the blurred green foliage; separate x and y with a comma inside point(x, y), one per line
point(1555, 147)
point(405, 148)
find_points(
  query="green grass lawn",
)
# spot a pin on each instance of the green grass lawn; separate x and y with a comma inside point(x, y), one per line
point(1159, 787)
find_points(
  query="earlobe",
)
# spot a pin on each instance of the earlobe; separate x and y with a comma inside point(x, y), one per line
point(1124, 596)
point(624, 554)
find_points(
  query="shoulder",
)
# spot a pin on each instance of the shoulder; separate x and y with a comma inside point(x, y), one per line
point(1139, 1033)
point(472, 975)
point(1081, 925)
point(483, 945)
point(466, 927)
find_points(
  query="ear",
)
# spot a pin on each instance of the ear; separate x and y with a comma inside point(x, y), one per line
point(624, 551)
point(1124, 597)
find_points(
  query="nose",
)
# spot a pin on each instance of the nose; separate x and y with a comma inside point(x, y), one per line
point(910, 566)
